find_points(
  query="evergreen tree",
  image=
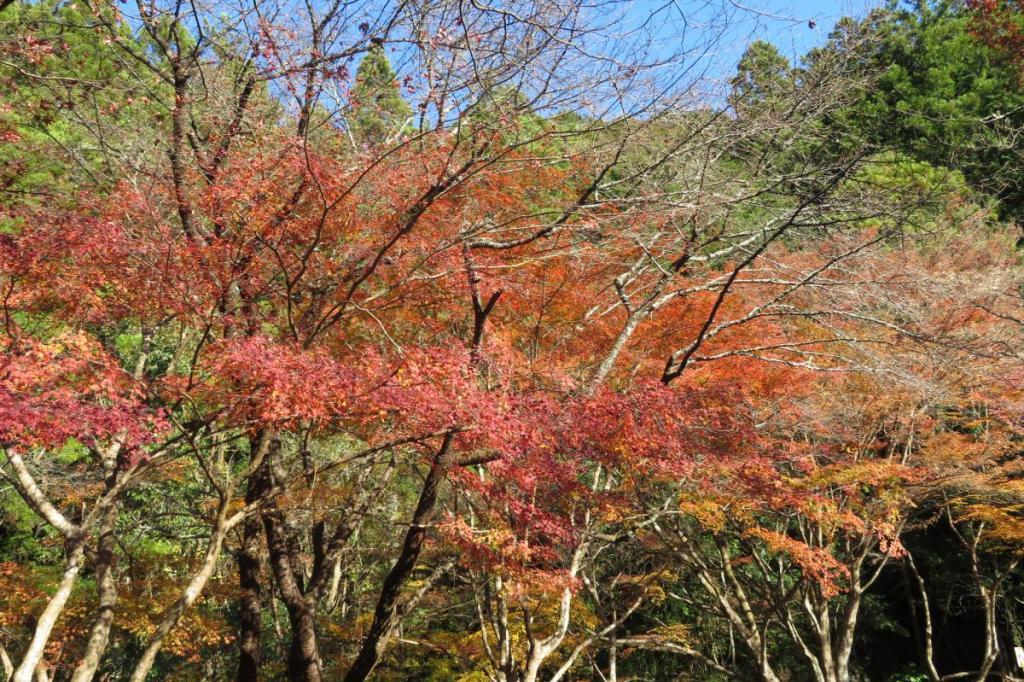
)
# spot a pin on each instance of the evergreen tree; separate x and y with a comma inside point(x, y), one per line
point(763, 76)
point(65, 96)
point(944, 97)
point(378, 110)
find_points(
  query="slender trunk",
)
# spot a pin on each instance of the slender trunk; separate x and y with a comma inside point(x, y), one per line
point(613, 657)
point(334, 591)
point(538, 650)
point(847, 628)
point(744, 618)
point(915, 621)
point(5, 659)
point(988, 598)
point(385, 617)
point(504, 634)
point(195, 587)
point(106, 584)
point(276, 612)
point(250, 581)
point(825, 639)
point(48, 618)
point(602, 371)
point(303, 654)
point(99, 634)
point(611, 632)
point(177, 150)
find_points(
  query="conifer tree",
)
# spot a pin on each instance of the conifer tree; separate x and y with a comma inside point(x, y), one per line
point(378, 110)
point(763, 75)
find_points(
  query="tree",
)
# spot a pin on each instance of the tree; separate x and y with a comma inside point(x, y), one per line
point(942, 96)
point(300, 405)
point(763, 78)
point(378, 110)
point(1000, 26)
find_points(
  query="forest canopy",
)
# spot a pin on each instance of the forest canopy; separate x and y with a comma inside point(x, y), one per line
point(446, 340)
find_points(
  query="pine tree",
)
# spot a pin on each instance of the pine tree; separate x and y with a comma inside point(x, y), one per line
point(763, 75)
point(378, 110)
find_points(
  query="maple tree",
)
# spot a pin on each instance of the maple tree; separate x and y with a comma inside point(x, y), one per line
point(544, 349)
point(1000, 25)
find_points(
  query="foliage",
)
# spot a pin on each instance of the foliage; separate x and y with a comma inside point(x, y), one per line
point(470, 374)
point(379, 112)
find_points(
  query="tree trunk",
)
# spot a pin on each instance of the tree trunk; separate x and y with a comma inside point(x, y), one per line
point(613, 657)
point(988, 599)
point(927, 636)
point(250, 581)
point(251, 601)
point(173, 614)
point(844, 644)
point(106, 586)
point(34, 653)
point(303, 654)
point(386, 615)
point(533, 668)
point(8, 665)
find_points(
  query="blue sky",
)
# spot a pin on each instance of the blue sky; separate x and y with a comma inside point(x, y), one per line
point(714, 33)
point(785, 22)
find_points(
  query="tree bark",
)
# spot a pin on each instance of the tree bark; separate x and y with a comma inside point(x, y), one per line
point(847, 628)
point(385, 617)
point(173, 613)
point(250, 581)
point(106, 585)
point(8, 665)
point(303, 654)
point(48, 618)
point(99, 634)
point(249, 627)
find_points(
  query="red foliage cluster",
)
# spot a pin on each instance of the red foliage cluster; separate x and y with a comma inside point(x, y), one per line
point(1000, 25)
point(69, 388)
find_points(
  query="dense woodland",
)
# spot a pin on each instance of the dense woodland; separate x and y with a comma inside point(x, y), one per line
point(511, 341)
